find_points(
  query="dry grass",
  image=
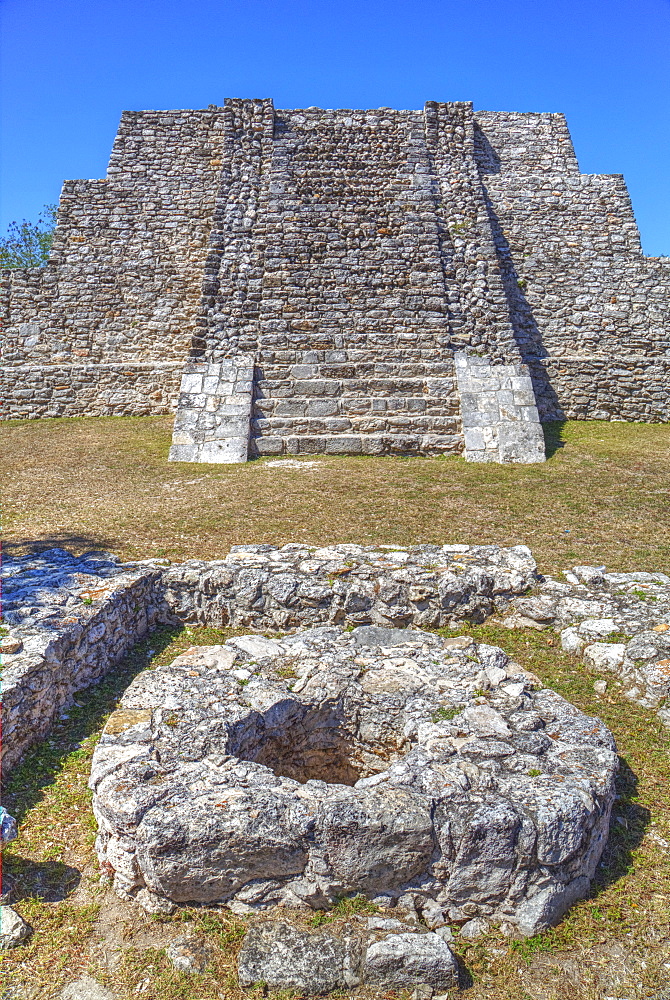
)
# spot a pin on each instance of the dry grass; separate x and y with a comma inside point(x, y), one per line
point(105, 483)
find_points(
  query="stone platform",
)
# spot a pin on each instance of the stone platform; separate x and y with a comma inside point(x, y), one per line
point(381, 762)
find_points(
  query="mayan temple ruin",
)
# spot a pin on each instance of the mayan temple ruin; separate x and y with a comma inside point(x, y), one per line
point(348, 282)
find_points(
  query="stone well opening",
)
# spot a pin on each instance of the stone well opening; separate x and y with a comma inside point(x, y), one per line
point(313, 743)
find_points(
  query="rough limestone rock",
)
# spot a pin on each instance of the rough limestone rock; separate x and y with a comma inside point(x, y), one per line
point(295, 771)
point(402, 960)
point(378, 952)
point(282, 955)
point(13, 928)
point(617, 623)
point(8, 828)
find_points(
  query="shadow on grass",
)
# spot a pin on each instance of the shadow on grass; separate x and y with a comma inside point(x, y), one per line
point(75, 543)
point(553, 436)
point(42, 763)
point(623, 839)
point(49, 881)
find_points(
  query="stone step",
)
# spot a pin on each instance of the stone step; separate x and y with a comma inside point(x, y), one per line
point(373, 385)
point(366, 423)
point(357, 405)
point(389, 443)
point(376, 364)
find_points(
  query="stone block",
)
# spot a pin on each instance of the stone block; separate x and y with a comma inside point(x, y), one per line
point(192, 401)
point(321, 407)
point(335, 425)
point(182, 437)
point(184, 453)
point(191, 383)
point(343, 445)
point(521, 442)
point(524, 397)
point(480, 418)
point(291, 408)
point(372, 445)
point(474, 440)
point(313, 445)
point(316, 387)
point(224, 451)
point(268, 445)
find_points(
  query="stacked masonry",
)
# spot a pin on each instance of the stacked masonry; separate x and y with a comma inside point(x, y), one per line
point(212, 421)
point(350, 254)
point(498, 411)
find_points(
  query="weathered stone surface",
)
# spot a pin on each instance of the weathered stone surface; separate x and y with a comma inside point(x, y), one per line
point(213, 412)
point(298, 586)
point(474, 928)
point(385, 953)
point(618, 623)
point(77, 617)
point(13, 928)
point(10, 645)
point(401, 960)
point(498, 411)
point(8, 828)
point(283, 955)
point(329, 762)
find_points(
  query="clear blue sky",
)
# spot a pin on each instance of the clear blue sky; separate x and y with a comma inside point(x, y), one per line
point(70, 67)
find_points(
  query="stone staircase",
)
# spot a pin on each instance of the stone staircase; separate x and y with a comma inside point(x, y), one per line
point(352, 256)
point(356, 408)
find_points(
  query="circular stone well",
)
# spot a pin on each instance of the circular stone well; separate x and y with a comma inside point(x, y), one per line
point(378, 761)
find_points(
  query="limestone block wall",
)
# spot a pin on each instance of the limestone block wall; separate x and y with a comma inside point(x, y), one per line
point(627, 387)
point(351, 253)
point(123, 283)
point(69, 651)
point(578, 285)
point(96, 389)
point(498, 410)
point(212, 419)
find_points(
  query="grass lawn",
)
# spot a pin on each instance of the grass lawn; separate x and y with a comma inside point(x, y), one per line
point(602, 496)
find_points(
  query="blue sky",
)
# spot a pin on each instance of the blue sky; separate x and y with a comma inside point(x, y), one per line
point(70, 67)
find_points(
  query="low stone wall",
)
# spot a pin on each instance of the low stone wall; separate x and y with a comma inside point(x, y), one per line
point(602, 387)
point(72, 619)
point(425, 586)
point(89, 390)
